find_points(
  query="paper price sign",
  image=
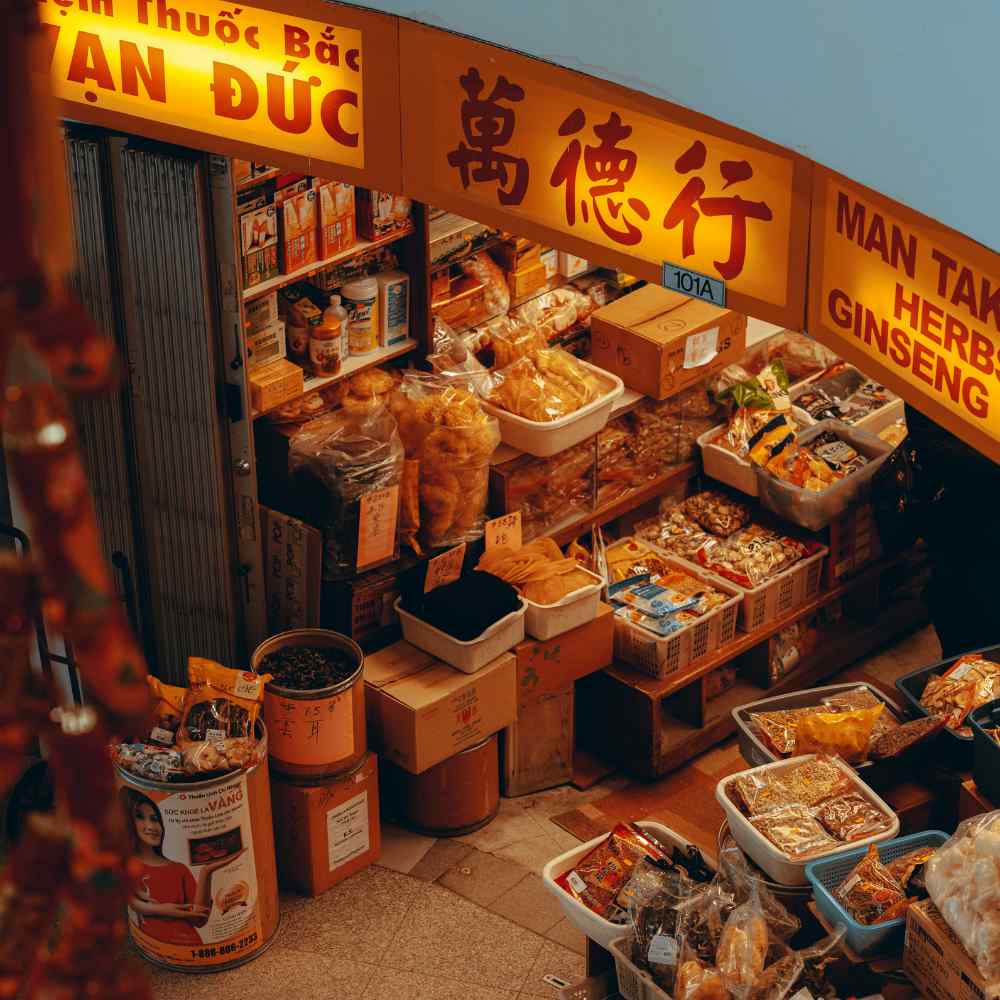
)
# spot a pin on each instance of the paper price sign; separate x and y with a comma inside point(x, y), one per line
point(504, 530)
point(377, 526)
point(444, 568)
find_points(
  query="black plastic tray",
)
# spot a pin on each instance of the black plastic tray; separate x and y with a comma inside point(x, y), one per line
point(955, 749)
point(986, 750)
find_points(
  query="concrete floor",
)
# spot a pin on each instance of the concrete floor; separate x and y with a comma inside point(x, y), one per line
point(462, 919)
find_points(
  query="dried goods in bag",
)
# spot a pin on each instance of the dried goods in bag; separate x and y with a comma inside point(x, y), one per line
point(816, 780)
point(737, 878)
point(909, 870)
point(968, 683)
point(698, 980)
point(842, 734)
point(753, 555)
point(779, 729)
point(743, 947)
point(899, 739)
point(653, 894)
point(870, 893)
point(794, 830)
point(675, 533)
point(759, 793)
point(852, 817)
point(701, 918)
point(716, 513)
point(220, 703)
point(546, 385)
point(778, 980)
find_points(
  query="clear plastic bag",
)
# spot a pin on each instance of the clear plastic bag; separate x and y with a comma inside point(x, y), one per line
point(815, 961)
point(350, 456)
point(446, 432)
point(779, 977)
point(716, 513)
point(737, 878)
point(546, 386)
point(673, 532)
point(697, 979)
point(655, 891)
point(800, 355)
point(870, 893)
point(482, 267)
point(701, 918)
point(963, 879)
point(511, 340)
point(752, 555)
point(743, 947)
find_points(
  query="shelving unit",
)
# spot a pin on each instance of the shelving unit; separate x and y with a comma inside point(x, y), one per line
point(362, 246)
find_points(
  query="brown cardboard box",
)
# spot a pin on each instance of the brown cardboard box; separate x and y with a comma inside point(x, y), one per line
point(649, 337)
point(936, 961)
point(259, 242)
point(551, 665)
point(517, 252)
point(336, 217)
point(297, 217)
point(527, 279)
point(274, 384)
point(538, 747)
point(266, 345)
point(327, 831)
point(421, 711)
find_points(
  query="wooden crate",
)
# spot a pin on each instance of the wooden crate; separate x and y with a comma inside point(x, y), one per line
point(538, 747)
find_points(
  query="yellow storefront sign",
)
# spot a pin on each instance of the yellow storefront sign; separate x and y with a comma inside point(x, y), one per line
point(237, 78)
point(609, 174)
point(911, 302)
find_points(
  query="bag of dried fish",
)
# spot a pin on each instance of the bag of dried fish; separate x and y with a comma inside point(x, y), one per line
point(743, 947)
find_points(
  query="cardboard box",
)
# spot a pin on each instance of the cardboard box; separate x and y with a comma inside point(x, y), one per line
point(421, 711)
point(972, 802)
point(336, 217)
point(258, 242)
point(936, 961)
point(261, 312)
point(517, 252)
point(380, 214)
point(550, 258)
point(552, 665)
point(854, 544)
point(526, 280)
point(267, 345)
point(298, 219)
point(660, 342)
point(293, 562)
point(274, 384)
point(538, 746)
point(570, 265)
point(363, 607)
point(326, 832)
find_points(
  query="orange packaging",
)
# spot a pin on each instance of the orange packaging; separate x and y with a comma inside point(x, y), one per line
point(298, 219)
point(336, 217)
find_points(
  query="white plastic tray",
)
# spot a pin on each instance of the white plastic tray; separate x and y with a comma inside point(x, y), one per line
point(465, 656)
point(545, 438)
point(602, 931)
point(545, 621)
point(724, 465)
point(777, 863)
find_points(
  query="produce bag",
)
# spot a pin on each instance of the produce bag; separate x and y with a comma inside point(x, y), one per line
point(963, 879)
point(349, 455)
point(446, 432)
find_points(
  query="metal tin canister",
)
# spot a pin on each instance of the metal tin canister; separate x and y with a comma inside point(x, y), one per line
point(453, 798)
point(207, 844)
point(315, 734)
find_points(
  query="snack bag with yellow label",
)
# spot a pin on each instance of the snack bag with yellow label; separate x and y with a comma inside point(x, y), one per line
point(220, 703)
point(843, 734)
point(168, 710)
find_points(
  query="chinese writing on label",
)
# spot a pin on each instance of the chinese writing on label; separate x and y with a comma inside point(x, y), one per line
point(504, 530)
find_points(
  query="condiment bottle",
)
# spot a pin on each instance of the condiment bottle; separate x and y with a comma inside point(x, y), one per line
point(325, 340)
point(361, 301)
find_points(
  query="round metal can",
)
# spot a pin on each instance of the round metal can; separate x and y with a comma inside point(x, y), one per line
point(206, 893)
point(453, 798)
point(315, 734)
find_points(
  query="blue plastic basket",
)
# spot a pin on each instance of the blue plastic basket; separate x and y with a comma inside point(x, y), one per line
point(827, 874)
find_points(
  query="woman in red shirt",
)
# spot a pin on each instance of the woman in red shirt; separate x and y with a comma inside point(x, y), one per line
point(168, 900)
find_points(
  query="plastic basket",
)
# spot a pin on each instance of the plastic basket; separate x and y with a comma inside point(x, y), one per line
point(986, 750)
point(545, 621)
point(633, 983)
point(826, 875)
point(787, 590)
point(660, 656)
point(955, 749)
point(724, 465)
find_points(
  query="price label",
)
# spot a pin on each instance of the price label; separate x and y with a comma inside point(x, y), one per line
point(377, 526)
point(444, 568)
point(504, 530)
point(663, 950)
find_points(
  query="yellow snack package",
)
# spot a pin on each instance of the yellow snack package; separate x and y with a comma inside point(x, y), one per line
point(167, 713)
point(220, 703)
point(843, 734)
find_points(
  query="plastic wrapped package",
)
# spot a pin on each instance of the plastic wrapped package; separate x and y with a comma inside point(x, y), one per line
point(778, 980)
point(779, 729)
point(553, 313)
point(969, 682)
point(753, 555)
point(617, 470)
point(220, 703)
point(800, 355)
point(852, 817)
point(453, 355)
point(910, 870)
point(899, 739)
point(546, 386)
point(870, 893)
point(445, 430)
point(698, 980)
point(814, 781)
point(716, 513)
point(737, 878)
point(816, 959)
point(756, 794)
point(630, 557)
point(302, 409)
point(349, 456)
point(701, 918)
point(743, 947)
point(963, 879)
point(673, 532)
point(483, 268)
point(509, 340)
point(794, 830)
point(843, 734)
point(862, 697)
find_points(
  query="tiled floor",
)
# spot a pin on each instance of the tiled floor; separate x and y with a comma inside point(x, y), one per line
point(462, 919)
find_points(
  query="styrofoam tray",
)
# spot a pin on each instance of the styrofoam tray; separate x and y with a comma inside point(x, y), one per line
point(545, 438)
point(602, 931)
point(545, 621)
point(465, 656)
point(782, 867)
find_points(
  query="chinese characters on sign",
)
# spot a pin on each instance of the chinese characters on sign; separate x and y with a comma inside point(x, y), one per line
point(310, 731)
point(504, 530)
point(377, 526)
point(444, 568)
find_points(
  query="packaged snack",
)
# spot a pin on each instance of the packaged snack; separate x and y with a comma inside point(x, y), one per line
point(510, 341)
point(843, 734)
point(794, 830)
point(799, 354)
point(717, 513)
point(899, 739)
point(148, 761)
point(910, 871)
point(968, 683)
point(210, 756)
point(870, 893)
point(167, 711)
point(482, 267)
point(757, 794)
point(852, 817)
point(815, 781)
point(701, 918)
point(779, 729)
point(599, 876)
point(630, 558)
point(963, 878)
point(752, 555)
point(698, 981)
point(862, 697)
point(220, 703)
point(743, 947)
point(736, 877)
point(546, 386)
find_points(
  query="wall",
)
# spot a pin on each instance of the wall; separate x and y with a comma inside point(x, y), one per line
point(889, 92)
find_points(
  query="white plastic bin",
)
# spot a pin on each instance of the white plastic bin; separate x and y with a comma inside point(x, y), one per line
point(781, 866)
point(726, 466)
point(545, 438)
point(545, 621)
point(465, 656)
point(599, 930)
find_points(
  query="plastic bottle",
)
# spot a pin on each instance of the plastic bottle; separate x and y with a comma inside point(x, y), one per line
point(361, 302)
point(325, 340)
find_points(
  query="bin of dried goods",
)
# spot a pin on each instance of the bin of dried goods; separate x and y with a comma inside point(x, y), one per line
point(792, 812)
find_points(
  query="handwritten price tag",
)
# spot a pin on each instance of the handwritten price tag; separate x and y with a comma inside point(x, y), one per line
point(377, 526)
point(504, 530)
point(444, 568)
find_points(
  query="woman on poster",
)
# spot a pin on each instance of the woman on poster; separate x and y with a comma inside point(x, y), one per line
point(170, 903)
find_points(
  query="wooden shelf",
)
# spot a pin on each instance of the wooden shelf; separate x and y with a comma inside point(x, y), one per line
point(658, 689)
point(249, 182)
point(362, 246)
point(351, 367)
point(564, 534)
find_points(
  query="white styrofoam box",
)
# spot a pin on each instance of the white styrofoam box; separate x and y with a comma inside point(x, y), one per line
point(780, 865)
point(467, 656)
point(545, 621)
